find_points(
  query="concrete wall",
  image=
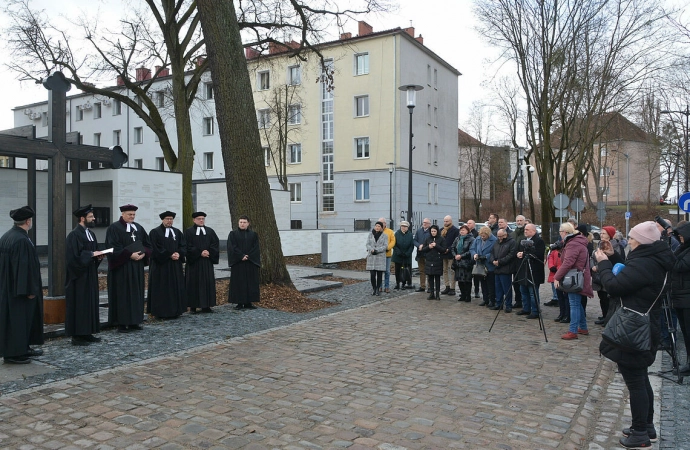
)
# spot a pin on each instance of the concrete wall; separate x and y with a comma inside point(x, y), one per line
point(13, 195)
point(302, 242)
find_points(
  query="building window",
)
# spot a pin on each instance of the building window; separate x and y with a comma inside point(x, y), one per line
point(429, 155)
point(79, 114)
point(295, 153)
point(264, 118)
point(605, 190)
point(362, 64)
point(263, 81)
point(295, 192)
point(435, 79)
point(429, 193)
point(267, 156)
point(138, 135)
point(428, 114)
point(208, 161)
point(208, 91)
point(208, 126)
point(160, 163)
point(138, 100)
point(362, 106)
point(117, 107)
point(361, 147)
point(96, 110)
point(361, 190)
point(327, 147)
point(605, 172)
point(436, 155)
point(97, 139)
point(435, 117)
point(435, 193)
point(294, 75)
point(116, 137)
point(295, 114)
point(160, 99)
point(138, 163)
point(44, 119)
point(604, 152)
point(428, 75)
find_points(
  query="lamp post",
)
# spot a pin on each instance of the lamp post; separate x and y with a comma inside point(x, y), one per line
point(686, 113)
point(390, 193)
point(411, 90)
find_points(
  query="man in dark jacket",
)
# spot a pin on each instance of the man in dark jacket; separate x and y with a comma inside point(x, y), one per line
point(402, 255)
point(448, 233)
point(530, 270)
point(492, 223)
point(680, 289)
point(420, 237)
point(503, 258)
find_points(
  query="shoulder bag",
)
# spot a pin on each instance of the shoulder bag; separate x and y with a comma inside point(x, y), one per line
point(479, 270)
point(630, 330)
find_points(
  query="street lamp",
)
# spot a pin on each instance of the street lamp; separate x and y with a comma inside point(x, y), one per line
point(686, 113)
point(390, 192)
point(411, 90)
point(627, 201)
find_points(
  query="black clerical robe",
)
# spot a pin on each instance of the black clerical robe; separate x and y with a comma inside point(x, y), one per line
point(167, 296)
point(244, 275)
point(199, 276)
point(81, 285)
point(126, 276)
point(21, 318)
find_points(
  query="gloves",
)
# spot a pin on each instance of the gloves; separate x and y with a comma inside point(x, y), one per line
point(553, 269)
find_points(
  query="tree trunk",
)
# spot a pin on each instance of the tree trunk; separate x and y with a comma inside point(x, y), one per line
point(185, 146)
point(245, 174)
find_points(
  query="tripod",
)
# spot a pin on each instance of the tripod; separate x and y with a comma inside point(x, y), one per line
point(529, 277)
point(672, 348)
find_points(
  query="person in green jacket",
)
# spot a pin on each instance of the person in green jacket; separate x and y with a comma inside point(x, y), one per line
point(402, 255)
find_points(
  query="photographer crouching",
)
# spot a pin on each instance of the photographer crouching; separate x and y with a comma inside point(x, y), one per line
point(531, 270)
point(639, 285)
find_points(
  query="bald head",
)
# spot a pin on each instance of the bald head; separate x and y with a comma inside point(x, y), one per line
point(530, 230)
point(501, 234)
point(447, 221)
point(383, 221)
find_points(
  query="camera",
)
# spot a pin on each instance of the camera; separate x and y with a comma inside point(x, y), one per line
point(527, 245)
point(662, 222)
point(556, 245)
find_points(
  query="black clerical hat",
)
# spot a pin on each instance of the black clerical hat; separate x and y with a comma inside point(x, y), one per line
point(128, 207)
point(23, 213)
point(83, 211)
point(165, 214)
point(198, 213)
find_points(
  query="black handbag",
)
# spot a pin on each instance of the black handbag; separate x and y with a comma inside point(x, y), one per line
point(479, 270)
point(630, 330)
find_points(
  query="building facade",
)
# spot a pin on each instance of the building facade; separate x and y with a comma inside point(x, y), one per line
point(344, 139)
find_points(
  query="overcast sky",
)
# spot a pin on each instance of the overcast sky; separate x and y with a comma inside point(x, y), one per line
point(446, 25)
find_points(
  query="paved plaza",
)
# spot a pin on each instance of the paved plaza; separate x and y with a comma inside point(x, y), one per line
point(390, 372)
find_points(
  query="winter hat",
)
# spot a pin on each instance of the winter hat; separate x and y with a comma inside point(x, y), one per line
point(645, 233)
point(611, 231)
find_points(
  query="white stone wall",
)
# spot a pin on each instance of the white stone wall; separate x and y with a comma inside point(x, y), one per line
point(13, 195)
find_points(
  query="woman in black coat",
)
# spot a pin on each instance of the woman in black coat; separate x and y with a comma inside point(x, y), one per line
point(433, 249)
point(464, 262)
point(640, 286)
point(680, 289)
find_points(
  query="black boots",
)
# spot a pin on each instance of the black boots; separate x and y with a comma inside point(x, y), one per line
point(636, 439)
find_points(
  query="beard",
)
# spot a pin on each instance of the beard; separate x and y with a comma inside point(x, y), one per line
point(90, 224)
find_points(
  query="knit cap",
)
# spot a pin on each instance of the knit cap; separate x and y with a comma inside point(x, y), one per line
point(611, 231)
point(645, 233)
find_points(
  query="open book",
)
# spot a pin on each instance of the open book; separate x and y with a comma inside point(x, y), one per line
point(102, 252)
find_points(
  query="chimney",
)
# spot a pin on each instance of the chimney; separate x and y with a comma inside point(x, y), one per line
point(420, 39)
point(365, 28)
point(251, 53)
point(344, 36)
point(409, 30)
point(120, 81)
point(200, 60)
point(158, 72)
point(143, 74)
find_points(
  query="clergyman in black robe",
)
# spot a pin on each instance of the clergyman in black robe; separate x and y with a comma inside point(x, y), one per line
point(81, 286)
point(167, 295)
point(203, 251)
point(131, 253)
point(21, 291)
point(244, 259)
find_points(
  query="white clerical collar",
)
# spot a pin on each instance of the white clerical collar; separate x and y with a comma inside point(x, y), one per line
point(88, 235)
point(200, 230)
point(130, 227)
point(169, 232)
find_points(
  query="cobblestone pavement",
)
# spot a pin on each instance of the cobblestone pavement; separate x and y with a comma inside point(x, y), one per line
point(675, 408)
point(402, 373)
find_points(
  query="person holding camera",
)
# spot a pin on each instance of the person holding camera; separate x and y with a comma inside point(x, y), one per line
point(639, 285)
point(503, 260)
point(481, 254)
point(530, 255)
point(377, 244)
point(462, 260)
point(575, 256)
point(680, 289)
point(433, 249)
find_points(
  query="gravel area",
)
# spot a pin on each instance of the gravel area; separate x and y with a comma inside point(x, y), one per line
point(167, 336)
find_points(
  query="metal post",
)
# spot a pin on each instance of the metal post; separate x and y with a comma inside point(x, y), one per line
point(390, 193)
point(317, 204)
point(687, 115)
point(409, 181)
point(627, 219)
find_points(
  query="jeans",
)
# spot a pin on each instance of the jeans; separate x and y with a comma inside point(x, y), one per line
point(529, 299)
point(641, 395)
point(577, 312)
point(504, 287)
point(554, 292)
point(387, 275)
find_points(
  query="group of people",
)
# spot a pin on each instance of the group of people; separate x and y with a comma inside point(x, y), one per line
point(180, 276)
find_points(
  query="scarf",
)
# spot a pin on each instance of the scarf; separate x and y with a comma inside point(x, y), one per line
point(445, 230)
point(377, 234)
point(461, 243)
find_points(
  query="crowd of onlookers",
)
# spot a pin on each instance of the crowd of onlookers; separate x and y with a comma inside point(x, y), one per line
point(639, 272)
